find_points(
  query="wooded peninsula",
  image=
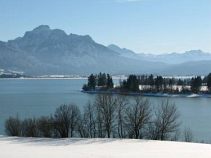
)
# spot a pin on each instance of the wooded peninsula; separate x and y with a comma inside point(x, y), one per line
point(148, 85)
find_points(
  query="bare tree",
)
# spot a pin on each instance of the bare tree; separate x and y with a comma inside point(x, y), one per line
point(122, 103)
point(66, 119)
point(81, 126)
point(165, 121)
point(30, 128)
point(137, 116)
point(188, 135)
point(106, 108)
point(99, 122)
point(176, 135)
point(13, 126)
point(89, 120)
point(109, 116)
point(45, 126)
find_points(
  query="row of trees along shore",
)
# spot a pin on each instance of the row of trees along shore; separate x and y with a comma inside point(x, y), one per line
point(107, 117)
point(102, 80)
point(151, 84)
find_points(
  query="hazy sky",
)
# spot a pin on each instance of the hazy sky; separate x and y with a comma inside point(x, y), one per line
point(150, 26)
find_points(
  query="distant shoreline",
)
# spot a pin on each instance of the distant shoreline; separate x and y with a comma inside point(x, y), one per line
point(46, 78)
point(113, 92)
point(151, 94)
point(40, 78)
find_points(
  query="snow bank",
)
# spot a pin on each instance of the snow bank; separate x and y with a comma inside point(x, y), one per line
point(99, 148)
point(193, 96)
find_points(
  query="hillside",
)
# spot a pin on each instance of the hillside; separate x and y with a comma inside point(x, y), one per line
point(99, 148)
point(191, 68)
point(169, 58)
point(46, 51)
point(51, 51)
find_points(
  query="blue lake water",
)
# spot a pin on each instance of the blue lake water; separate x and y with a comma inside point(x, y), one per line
point(30, 97)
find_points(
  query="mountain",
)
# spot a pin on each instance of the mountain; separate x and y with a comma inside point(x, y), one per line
point(178, 58)
point(49, 51)
point(123, 51)
point(194, 62)
point(170, 58)
point(46, 51)
point(189, 68)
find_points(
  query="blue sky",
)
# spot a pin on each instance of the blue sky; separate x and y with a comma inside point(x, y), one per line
point(149, 26)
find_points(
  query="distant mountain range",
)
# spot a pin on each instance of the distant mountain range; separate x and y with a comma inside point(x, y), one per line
point(46, 51)
point(171, 58)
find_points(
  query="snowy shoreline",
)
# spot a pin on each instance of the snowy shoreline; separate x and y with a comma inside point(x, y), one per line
point(15, 147)
point(152, 94)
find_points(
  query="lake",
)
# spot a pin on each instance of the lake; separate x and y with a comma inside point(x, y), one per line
point(37, 97)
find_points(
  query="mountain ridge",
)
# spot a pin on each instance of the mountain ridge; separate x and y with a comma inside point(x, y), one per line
point(52, 51)
point(46, 51)
point(169, 58)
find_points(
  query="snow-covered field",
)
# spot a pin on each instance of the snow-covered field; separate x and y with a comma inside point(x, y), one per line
point(99, 148)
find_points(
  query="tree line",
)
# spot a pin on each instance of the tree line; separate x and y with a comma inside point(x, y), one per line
point(106, 117)
point(154, 84)
point(162, 84)
point(102, 80)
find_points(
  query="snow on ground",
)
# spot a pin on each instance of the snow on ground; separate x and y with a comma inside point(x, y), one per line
point(99, 148)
